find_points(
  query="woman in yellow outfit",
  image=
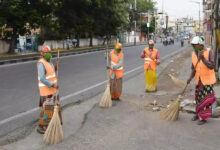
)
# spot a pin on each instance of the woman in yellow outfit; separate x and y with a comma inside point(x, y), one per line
point(152, 59)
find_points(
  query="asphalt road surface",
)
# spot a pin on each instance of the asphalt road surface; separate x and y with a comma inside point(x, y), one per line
point(19, 91)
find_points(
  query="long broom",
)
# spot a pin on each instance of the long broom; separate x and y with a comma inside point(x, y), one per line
point(106, 100)
point(54, 132)
point(172, 112)
point(179, 83)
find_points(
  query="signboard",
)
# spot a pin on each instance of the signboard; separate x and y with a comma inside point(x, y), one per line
point(148, 24)
point(161, 21)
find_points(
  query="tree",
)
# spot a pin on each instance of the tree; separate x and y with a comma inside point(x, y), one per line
point(144, 27)
point(19, 17)
point(92, 17)
point(142, 6)
point(145, 5)
point(111, 17)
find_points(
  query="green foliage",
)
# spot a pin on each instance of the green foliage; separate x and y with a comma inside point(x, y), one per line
point(142, 6)
point(59, 19)
point(145, 5)
point(151, 28)
point(18, 17)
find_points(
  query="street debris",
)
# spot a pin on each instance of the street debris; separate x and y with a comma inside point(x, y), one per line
point(216, 112)
point(155, 108)
point(186, 102)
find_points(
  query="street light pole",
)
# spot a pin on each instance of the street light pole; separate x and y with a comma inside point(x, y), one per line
point(199, 19)
point(135, 23)
point(199, 13)
point(155, 25)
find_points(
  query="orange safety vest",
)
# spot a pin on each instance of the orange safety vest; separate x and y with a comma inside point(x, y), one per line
point(50, 75)
point(114, 61)
point(206, 75)
point(150, 60)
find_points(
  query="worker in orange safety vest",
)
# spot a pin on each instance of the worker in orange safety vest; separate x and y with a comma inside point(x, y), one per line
point(151, 60)
point(47, 83)
point(116, 71)
point(203, 71)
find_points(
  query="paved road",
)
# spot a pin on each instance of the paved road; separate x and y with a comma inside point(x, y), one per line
point(19, 91)
point(129, 124)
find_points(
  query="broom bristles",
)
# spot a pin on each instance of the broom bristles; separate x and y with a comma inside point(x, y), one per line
point(179, 83)
point(106, 101)
point(54, 132)
point(172, 112)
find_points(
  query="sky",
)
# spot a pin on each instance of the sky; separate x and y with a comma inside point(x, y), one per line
point(180, 8)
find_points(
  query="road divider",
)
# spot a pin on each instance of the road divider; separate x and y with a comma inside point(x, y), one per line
point(26, 58)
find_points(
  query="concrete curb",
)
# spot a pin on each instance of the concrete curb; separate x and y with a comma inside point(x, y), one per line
point(36, 57)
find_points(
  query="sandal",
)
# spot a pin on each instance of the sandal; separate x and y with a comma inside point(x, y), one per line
point(40, 130)
point(201, 122)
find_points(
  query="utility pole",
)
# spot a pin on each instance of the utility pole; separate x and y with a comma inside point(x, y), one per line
point(166, 24)
point(196, 2)
point(199, 20)
point(135, 22)
point(148, 25)
point(216, 41)
point(155, 25)
point(140, 28)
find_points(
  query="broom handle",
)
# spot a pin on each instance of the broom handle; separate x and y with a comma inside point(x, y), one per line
point(58, 59)
point(188, 84)
point(184, 89)
point(107, 61)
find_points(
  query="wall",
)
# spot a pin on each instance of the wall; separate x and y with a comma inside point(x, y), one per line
point(83, 43)
point(4, 46)
point(61, 44)
point(130, 37)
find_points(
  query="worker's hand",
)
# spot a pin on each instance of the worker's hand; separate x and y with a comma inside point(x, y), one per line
point(55, 85)
point(107, 67)
point(143, 54)
point(201, 55)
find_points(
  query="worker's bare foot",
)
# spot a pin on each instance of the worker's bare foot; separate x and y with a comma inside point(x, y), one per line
point(194, 118)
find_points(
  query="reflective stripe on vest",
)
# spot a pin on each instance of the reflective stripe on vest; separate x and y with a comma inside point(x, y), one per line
point(114, 61)
point(41, 84)
point(50, 76)
point(112, 64)
point(150, 60)
point(206, 75)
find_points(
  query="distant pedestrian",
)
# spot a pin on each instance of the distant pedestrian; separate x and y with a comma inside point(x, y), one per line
point(188, 40)
point(116, 71)
point(203, 70)
point(74, 41)
point(152, 59)
point(47, 82)
point(182, 42)
point(68, 43)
